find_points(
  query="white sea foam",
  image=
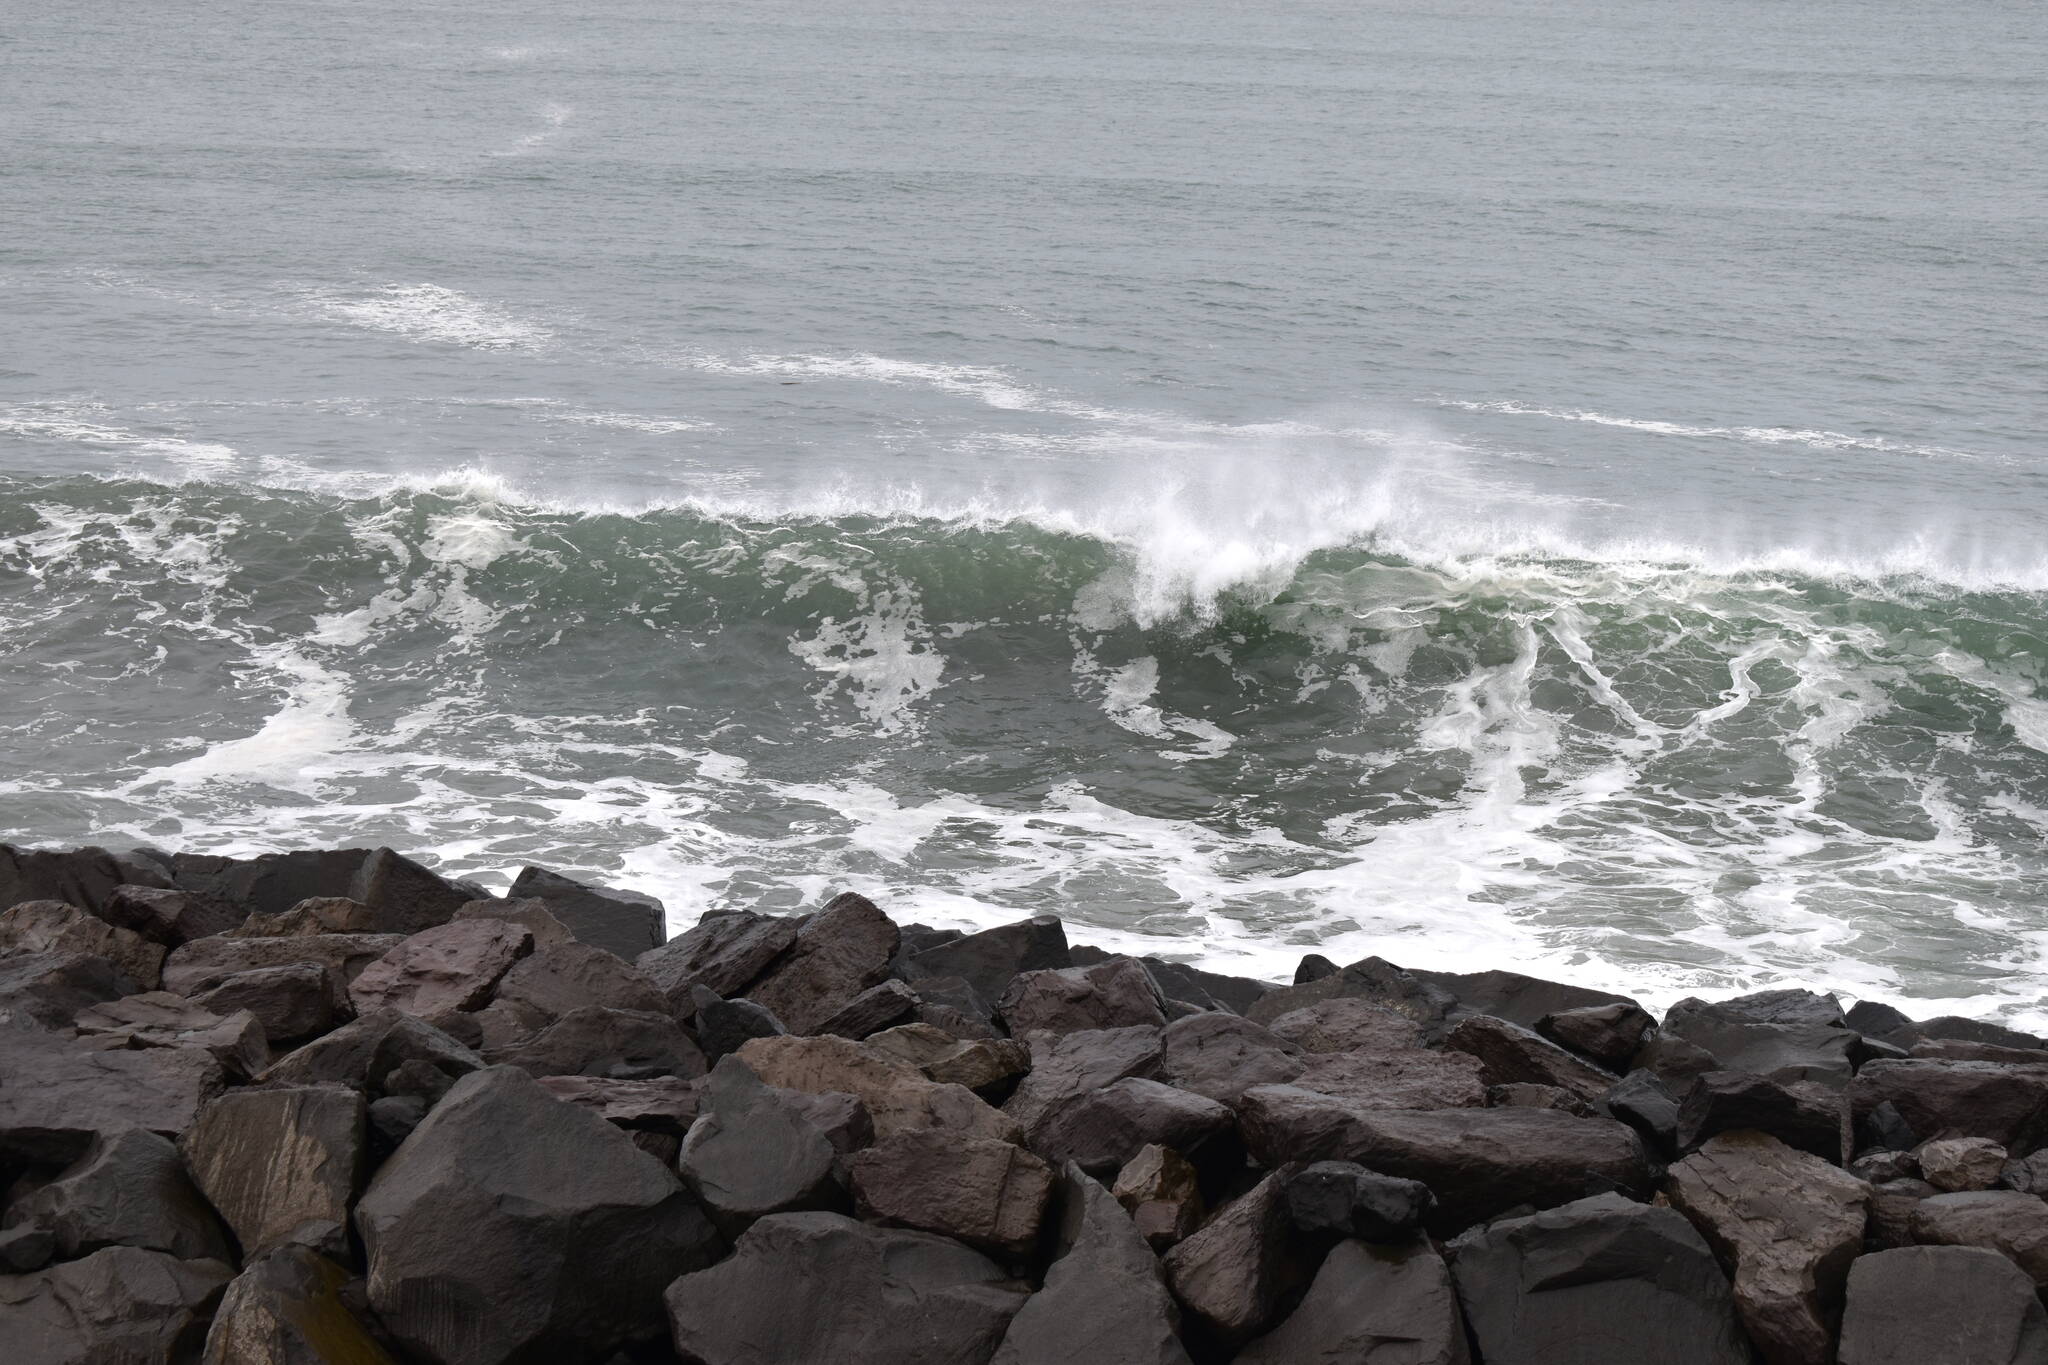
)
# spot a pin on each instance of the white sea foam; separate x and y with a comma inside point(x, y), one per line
point(432, 313)
point(1811, 437)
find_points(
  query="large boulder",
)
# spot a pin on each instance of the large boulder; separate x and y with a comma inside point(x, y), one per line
point(129, 1189)
point(2013, 1224)
point(1379, 1305)
point(1800, 1114)
point(1413, 1078)
point(452, 966)
point(987, 1066)
point(1594, 1282)
point(364, 1054)
point(1609, 1034)
point(120, 1306)
point(47, 990)
point(752, 1152)
point(1956, 1165)
point(1343, 1199)
point(205, 963)
point(1479, 1162)
point(1221, 1056)
point(661, 1104)
point(723, 954)
point(168, 916)
point(84, 877)
point(552, 981)
point(160, 1019)
point(1233, 1275)
point(56, 1094)
point(840, 952)
point(986, 961)
point(989, 1194)
point(54, 927)
point(593, 1041)
point(898, 1096)
point(512, 1226)
point(282, 1166)
point(873, 1010)
point(1070, 1064)
point(822, 1287)
point(294, 1003)
point(721, 1025)
point(1516, 998)
point(1349, 1024)
point(2006, 1104)
point(1784, 1040)
point(1789, 1223)
point(1102, 1129)
point(288, 1308)
point(403, 896)
point(1161, 1191)
point(1956, 1305)
point(1374, 981)
point(1104, 1300)
point(1510, 1054)
point(1117, 993)
point(624, 922)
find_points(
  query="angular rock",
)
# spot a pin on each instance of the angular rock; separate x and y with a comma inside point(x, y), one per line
point(1233, 1274)
point(1221, 1056)
point(1529, 1095)
point(623, 922)
point(1957, 1305)
point(1102, 1129)
point(1478, 1162)
point(25, 1247)
point(752, 1153)
point(116, 1306)
point(1953, 1165)
point(404, 896)
point(160, 1019)
point(1065, 1065)
point(2006, 1104)
point(724, 954)
point(529, 913)
point(1516, 998)
point(1881, 1166)
point(874, 1009)
point(54, 927)
point(1789, 1223)
point(1104, 1300)
point(1892, 1206)
point(84, 877)
point(1673, 1060)
point(1595, 1282)
point(1885, 1128)
point(1418, 1078)
point(1609, 1034)
point(625, 1044)
point(1510, 1054)
point(2013, 1224)
point(664, 1104)
point(1809, 1118)
point(513, 1226)
point(1349, 1025)
point(1956, 1050)
point(987, 960)
point(840, 952)
point(948, 1002)
point(364, 1054)
point(988, 1194)
point(129, 1189)
point(871, 1296)
point(1373, 980)
point(452, 966)
point(898, 1096)
point(723, 1025)
point(47, 990)
point(293, 1003)
point(167, 916)
point(288, 1308)
point(1791, 1006)
point(2029, 1175)
point(1370, 1303)
point(392, 1119)
point(1161, 1192)
point(315, 915)
point(1343, 1199)
point(1204, 990)
point(282, 1166)
point(1313, 967)
point(571, 976)
point(56, 1094)
point(1112, 994)
point(205, 963)
point(985, 1066)
point(1642, 1102)
point(1741, 1038)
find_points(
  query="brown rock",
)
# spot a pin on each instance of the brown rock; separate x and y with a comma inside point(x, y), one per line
point(1953, 1165)
point(363, 1055)
point(314, 915)
point(661, 1104)
point(572, 976)
point(530, 913)
point(204, 963)
point(1918, 1305)
point(1234, 1273)
point(1220, 1056)
point(982, 1065)
point(57, 1093)
point(1159, 1189)
point(1117, 993)
point(1102, 1129)
point(1610, 1034)
point(627, 1044)
point(1349, 1025)
point(986, 1193)
point(753, 1152)
point(872, 1010)
point(288, 1308)
point(293, 1003)
point(1065, 1065)
point(2006, 1104)
point(2005, 1221)
point(84, 877)
point(160, 1019)
point(452, 966)
point(1415, 1079)
point(282, 1166)
point(840, 952)
point(165, 916)
point(723, 954)
point(1509, 1054)
point(129, 1189)
point(54, 927)
point(47, 990)
point(1374, 981)
point(116, 1306)
point(1892, 1205)
point(899, 1097)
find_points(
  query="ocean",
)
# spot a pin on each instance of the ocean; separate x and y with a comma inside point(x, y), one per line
point(1555, 485)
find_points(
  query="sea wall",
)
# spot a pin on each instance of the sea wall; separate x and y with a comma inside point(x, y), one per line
point(328, 1106)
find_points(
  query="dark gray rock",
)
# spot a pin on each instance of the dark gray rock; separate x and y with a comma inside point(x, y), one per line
point(988, 1194)
point(1892, 1206)
point(128, 1190)
point(120, 1306)
point(555, 980)
point(724, 1025)
point(513, 1226)
point(987, 1066)
point(899, 1097)
point(623, 922)
point(1596, 1282)
point(47, 990)
point(25, 1247)
point(1957, 1050)
point(403, 896)
point(625, 1044)
point(1673, 1060)
point(753, 1152)
point(1790, 1006)
point(2013, 1224)
point(54, 927)
point(948, 1002)
point(452, 966)
point(84, 877)
point(1741, 1038)
point(1349, 1025)
point(723, 953)
point(1102, 1129)
point(663, 1104)
point(529, 913)
point(1373, 980)
point(56, 1094)
point(1416, 1078)
point(1809, 1118)
point(2007, 1104)
point(1511, 1054)
point(289, 1308)
point(1370, 1304)
point(1530, 1095)
point(1313, 967)
point(1161, 1191)
point(1113, 994)
point(205, 963)
point(1514, 997)
point(168, 916)
point(315, 915)
point(840, 952)
point(1609, 1034)
point(160, 1019)
point(1221, 1056)
point(1234, 1274)
point(1644, 1103)
point(987, 960)
point(870, 1296)
point(1070, 1064)
point(2029, 1175)
point(1343, 1199)
point(1104, 1300)
point(873, 1010)
point(362, 1055)
point(282, 1166)
point(1875, 1019)
point(294, 1003)
point(1883, 1127)
point(1956, 1305)
point(1204, 990)
point(392, 1119)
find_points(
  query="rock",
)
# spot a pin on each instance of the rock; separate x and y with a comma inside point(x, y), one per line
point(293, 1003)
point(870, 1296)
point(1745, 1039)
point(282, 1166)
point(205, 963)
point(986, 961)
point(626, 923)
point(988, 1067)
point(1349, 1025)
point(724, 954)
point(898, 1097)
point(1529, 1095)
point(1479, 1162)
point(2006, 1104)
point(1221, 1056)
point(872, 1010)
point(1374, 981)
point(2006, 1221)
point(1956, 1050)
point(453, 966)
point(1609, 1034)
point(1313, 967)
point(948, 1002)
point(752, 1153)
point(1160, 1191)
point(840, 952)
point(1102, 1129)
point(1343, 1199)
point(1892, 1206)
point(25, 1247)
point(54, 927)
point(1513, 997)
point(1112, 994)
point(1104, 1300)
point(1204, 990)
point(1791, 1006)
point(662, 1104)
point(1642, 1102)
point(1673, 1060)
point(1955, 1305)
point(1789, 1223)
point(129, 1189)
point(2029, 1175)
point(56, 1094)
point(1877, 1167)
point(287, 1308)
point(554, 981)
point(1952, 1165)
point(116, 1307)
point(1414, 1079)
point(160, 1019)
point(47, 990)
point(724, 1025)
point(1886, 1128)
point(392, 1119)
point(167, 916)
point(1066, 1065)
point(1233, 1274)
point(403, 896)
point(989, 1194)
point(1370, 1304)
point(1809, 1118)
point(530, 913)
point(1509, 1054)
point(314, 915)
point(84, 877)
point(363, 1054)
point(512, 1226)
point(626, 1044)
point(1595, 1282)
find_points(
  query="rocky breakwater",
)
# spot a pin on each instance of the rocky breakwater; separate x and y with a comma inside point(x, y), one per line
point(331, 1107)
